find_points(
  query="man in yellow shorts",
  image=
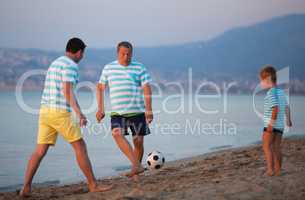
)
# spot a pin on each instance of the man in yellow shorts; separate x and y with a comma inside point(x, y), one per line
point(55, 116)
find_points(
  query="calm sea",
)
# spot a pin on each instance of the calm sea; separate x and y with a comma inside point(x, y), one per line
point(182, 127)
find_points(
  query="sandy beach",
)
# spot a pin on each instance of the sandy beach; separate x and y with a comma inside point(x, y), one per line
point(225, 174)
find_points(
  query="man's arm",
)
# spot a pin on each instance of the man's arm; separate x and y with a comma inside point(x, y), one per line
point(275, 111)
point(148, 102)
point(288, 116)
point(72, 101)
point(100, 90)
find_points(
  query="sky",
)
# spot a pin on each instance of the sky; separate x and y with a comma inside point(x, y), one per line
point(103, 23)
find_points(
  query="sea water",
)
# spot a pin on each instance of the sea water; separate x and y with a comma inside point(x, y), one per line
point(182, 127)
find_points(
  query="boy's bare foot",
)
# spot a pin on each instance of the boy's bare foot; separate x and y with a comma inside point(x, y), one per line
point(135, 171)
point(25, 192)
point(277, 173)
point(100, 188)
point(269, 173)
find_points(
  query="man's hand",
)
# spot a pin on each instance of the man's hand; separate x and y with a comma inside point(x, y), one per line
point(82, 120)
point(149, 116)
point(100, 114)
point(147, 96)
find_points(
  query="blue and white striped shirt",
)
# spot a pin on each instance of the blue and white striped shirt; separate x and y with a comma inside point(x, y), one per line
point(275, 97)
point(125, 86)
point(63, 69)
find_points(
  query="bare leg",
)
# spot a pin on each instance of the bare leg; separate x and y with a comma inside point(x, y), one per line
point(33, 164)
point(125, 147)
point(84, 163)
point(138, 142)
point(277, 154)
point(267, 147)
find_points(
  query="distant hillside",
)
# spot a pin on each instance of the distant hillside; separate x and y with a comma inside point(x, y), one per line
point(240, 51)
point(237, 55)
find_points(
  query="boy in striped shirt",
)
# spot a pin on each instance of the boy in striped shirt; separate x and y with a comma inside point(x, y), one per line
point(130, 96)
point(275, 108)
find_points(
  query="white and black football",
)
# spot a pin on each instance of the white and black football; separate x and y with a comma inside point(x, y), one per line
point(155, 160)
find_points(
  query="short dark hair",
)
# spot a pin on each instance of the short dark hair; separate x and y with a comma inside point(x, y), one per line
point(268, 71)
point(74, 45)
point(124, 44)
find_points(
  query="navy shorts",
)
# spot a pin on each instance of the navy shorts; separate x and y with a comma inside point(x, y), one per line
point(137, 124)
point(275, 130)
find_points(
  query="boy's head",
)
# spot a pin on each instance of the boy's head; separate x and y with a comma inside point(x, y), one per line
point(268, 76)
point(75, 49)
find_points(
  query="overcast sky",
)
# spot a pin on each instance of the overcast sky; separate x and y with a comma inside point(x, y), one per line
point(102, 23)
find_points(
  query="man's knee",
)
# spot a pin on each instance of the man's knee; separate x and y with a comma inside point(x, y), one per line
point(138, 142)
point(40, 152)
point(79, 146)
point(117, 132)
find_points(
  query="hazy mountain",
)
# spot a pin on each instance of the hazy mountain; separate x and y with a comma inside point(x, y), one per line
point(237, 54)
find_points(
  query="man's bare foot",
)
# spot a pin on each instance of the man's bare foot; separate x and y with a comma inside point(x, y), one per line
point(135, 178)
point(25, 192)
point(135, 171)
point(100, 188)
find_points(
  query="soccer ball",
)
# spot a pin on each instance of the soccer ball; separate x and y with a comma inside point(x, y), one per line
point(155, 160)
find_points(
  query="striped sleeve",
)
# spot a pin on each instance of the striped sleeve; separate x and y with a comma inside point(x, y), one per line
point(286, 100)
point(69, 74)
point(103, 78)
point(273, 98)
point(145, 76)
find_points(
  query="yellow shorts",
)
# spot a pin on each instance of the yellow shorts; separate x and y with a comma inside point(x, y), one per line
point(53, 121)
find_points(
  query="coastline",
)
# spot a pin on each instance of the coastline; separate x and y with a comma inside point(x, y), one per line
point(234, 173)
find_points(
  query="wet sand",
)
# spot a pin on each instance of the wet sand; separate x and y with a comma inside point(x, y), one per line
point(226, 174)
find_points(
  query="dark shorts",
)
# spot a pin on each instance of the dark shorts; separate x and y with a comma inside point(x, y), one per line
point(275, 130)
point(137, 124)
